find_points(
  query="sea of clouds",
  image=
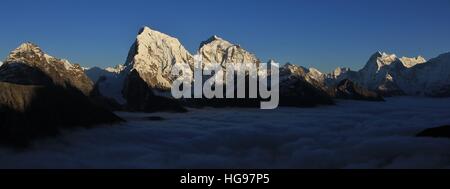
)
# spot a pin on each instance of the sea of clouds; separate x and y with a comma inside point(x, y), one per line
point(353, 134)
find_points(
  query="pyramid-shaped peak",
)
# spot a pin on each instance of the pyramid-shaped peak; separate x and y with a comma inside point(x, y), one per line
point(26, 49)
point(148, 32)
point(216, 40)
point(27, 46)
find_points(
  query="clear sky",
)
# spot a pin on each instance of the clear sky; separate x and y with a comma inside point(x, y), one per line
point(313, 33)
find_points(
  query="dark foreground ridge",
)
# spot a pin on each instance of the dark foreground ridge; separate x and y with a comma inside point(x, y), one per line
point(437, 132)
point(28, 112)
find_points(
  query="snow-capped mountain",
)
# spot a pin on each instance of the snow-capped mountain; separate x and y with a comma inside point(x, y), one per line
point(146, 76)
point(338, 72)
point(95, 73)
point(28, 64)
point(41, 94)
point(218, 50)
point(311, 75)
point(153, 55)
point(410, 62)
point(389, 75)
point(431, 78)
point(144, 81)
point(116, 69)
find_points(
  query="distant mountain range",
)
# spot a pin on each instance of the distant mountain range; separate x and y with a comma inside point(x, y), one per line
point(41, 91)
point(389, 75)
point(153, 54)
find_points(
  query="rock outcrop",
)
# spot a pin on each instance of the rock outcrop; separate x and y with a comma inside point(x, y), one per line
point(311, 75)
point(347, 89)
point(437, 132)
point(301, 87)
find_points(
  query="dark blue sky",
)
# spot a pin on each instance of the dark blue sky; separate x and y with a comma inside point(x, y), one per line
point(320, 33)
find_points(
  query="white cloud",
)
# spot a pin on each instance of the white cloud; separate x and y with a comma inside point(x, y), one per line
point(350, 135)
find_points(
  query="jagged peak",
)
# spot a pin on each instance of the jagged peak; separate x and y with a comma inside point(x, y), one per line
point(27, 47)
point(420, 58)
point(146, 29)
point(342, 69)
point(116, 69)
point(385, 54)
point(339, 71)
point(381, 54)
point(410, 62)
point(147, 34)
point(315, 71)
point(217, 39)
point(288, 64)
point(380, 59)
point(213, 38)
point(291, 66)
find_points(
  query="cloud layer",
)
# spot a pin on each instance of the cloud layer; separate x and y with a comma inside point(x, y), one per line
point(350, 135)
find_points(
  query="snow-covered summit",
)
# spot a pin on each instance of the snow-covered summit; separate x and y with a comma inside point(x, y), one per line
point(390, 75)
point(29, 64)
point(116, 69)
point(410, 62)
point(152, 56)
point(312, 75)
point(218, 50)
point(215, 39)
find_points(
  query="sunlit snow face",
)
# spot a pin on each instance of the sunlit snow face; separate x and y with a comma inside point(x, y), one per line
point(220, 78)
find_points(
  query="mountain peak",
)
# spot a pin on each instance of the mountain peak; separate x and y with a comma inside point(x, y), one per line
point(145, 29)
point(146, 35)
point(410, 62)
point(380, 59)
point(152, 56)
point(214, 39)
point(27, 47)
point(24, 50)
